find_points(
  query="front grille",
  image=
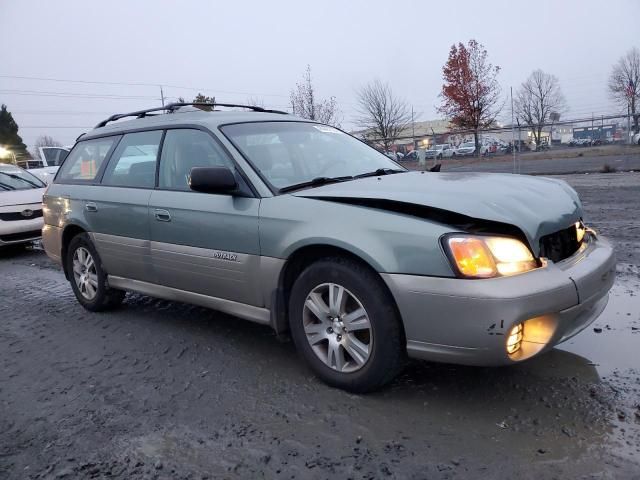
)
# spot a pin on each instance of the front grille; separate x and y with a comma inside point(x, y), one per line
point(13, 216)
point(560, 245)
point(14, 237)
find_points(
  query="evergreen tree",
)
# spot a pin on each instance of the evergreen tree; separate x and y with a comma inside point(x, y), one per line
point(9, 137)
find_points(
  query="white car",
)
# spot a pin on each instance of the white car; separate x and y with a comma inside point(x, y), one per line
point(636, 139)
point(20, 205)
point(469, 148)
point(445, 150)
point(50, 160)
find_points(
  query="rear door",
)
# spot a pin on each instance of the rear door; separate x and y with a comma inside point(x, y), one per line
point(119, 208)
point(200, 242)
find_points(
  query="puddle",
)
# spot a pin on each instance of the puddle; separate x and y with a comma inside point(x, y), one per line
point(612, 342)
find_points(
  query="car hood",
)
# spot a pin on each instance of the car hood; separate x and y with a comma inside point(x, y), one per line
point(21, 197)
point(535, 205)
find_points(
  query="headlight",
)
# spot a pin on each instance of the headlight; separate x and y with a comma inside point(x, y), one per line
point(486, 257)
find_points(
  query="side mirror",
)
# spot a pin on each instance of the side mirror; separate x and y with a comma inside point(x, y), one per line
point(212, 180)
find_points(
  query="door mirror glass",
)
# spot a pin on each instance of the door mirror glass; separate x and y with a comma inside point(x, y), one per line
point(212, 180)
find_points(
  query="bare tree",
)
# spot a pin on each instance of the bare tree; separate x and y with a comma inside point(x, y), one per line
point(471, 92)
point(538, 101)
point(305, 104)
point(255, 102)
point(383, 115)
point(44, 141)
point(624, 84)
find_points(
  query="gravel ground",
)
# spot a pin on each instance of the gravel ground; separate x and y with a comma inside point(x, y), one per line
point(531, 163)
point(164, 390)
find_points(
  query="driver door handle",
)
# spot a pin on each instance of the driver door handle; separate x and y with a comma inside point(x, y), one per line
point(162, 215)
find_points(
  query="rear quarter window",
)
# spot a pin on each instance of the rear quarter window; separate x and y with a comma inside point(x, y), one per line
point(85, 160)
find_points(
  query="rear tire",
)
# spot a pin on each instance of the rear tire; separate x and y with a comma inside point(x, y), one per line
point(88, 278)
point(355, 342)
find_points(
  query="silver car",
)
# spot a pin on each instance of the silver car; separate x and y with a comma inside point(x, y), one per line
point(299, 226)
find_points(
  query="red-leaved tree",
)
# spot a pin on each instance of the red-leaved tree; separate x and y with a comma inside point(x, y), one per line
point(470, 93)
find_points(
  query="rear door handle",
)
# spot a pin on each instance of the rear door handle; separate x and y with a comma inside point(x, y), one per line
point(91, 207)
point(162, 215)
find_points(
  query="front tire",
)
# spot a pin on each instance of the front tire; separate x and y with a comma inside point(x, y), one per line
point(344, 324)
point(88, 278)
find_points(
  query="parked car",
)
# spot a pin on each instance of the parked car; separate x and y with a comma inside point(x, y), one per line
point(362, 261)
point(412, 155)
point(580, 142)
point(445, 150)
point(20, 205)
point(47, 165)
point(636, 138)
point(469, 149)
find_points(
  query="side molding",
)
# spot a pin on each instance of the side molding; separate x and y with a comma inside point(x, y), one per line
point(247, 312)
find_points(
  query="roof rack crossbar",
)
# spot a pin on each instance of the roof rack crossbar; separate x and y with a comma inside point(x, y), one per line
point(172, 107)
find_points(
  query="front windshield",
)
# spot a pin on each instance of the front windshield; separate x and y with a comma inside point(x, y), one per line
point(468, 144)
point(14, 178)
point(289, 153)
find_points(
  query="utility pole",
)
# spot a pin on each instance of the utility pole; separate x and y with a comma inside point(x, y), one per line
point(413, 130)
point(161, 95)
point(591, 128)
point(519, 144)
point(513, 134)
point(629, 137)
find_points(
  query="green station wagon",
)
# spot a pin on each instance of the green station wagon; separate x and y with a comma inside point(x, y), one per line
point(300, 226)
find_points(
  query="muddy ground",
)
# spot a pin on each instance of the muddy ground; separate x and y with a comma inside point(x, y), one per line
point(165, 390)
point(550, 162)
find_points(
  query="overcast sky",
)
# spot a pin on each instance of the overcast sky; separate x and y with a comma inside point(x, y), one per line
point(237, 50)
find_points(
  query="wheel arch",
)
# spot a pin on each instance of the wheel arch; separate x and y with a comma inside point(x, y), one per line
point(69, 232)
point(295, 264)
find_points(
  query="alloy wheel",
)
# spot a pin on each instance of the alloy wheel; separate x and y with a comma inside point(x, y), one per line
point(337, 327)
point(84, 273)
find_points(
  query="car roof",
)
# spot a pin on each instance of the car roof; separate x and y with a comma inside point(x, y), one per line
point(211, 120)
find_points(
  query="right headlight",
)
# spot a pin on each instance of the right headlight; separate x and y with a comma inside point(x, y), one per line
point(475, 256)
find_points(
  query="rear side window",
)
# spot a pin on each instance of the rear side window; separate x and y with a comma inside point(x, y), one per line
point(133, 163)
point(85, 160)
point(184, 149)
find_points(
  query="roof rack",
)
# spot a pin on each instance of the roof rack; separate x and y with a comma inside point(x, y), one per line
point(172, 107)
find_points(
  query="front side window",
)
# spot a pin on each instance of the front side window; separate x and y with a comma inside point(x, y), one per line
point(184, 149)
point(133, 163)
point(14, 178)
point(289, 153)
point(85, 160)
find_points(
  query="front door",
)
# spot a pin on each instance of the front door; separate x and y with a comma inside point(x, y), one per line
point(200, 242)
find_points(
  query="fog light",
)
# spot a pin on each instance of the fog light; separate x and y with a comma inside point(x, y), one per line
point(514, 340)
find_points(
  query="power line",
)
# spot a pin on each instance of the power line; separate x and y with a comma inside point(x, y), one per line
point(74, 95)
point(140, 84)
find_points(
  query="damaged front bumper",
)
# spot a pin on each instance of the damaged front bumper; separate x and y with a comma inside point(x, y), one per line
point(467, 321)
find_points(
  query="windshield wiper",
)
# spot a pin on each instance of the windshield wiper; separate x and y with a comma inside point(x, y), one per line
point(18, 177)
point(380, 171)
point(314, 182)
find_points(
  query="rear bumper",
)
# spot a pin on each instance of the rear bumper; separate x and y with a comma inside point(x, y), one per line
point(467, 321)
point(52, 242)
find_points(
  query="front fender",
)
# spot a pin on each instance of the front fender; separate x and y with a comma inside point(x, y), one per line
point(389, 242)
